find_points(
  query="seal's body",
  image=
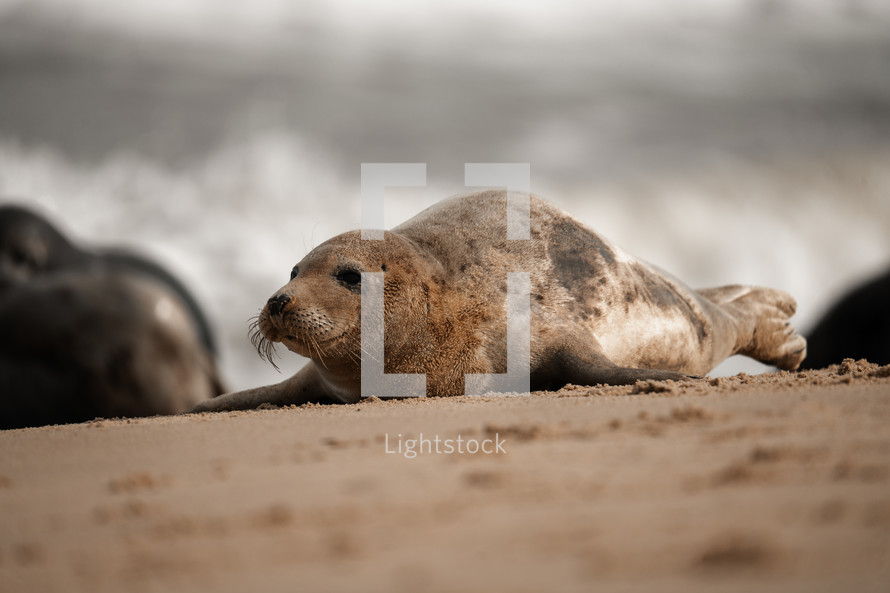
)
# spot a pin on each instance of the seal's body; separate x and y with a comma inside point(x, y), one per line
point(93, 333)
point(598, 315)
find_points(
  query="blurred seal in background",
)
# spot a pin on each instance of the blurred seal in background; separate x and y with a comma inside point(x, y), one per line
point(88, 334)
point(857, 326)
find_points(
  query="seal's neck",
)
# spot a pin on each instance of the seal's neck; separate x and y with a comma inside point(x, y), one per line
point(436, 336)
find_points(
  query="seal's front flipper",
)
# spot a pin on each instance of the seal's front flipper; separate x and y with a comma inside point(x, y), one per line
point(567, 366)
point(241, 400)
point(304, 387)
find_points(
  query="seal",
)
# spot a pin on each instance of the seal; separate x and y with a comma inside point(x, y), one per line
point(31, 247)
point(856, 326)
point(93, 333)
point(598, 315)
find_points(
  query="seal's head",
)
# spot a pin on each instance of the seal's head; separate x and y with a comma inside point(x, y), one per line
point(30, 246)
point(318, 312)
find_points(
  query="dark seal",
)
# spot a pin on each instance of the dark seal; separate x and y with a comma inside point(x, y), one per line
point(88, 334)
point(598, 315)
point(856, 326)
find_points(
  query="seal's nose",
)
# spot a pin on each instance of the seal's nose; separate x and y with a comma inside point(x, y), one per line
point(277, 303)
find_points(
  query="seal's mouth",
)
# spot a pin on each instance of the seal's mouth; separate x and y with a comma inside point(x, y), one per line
point(266, 331)
point(314, 342)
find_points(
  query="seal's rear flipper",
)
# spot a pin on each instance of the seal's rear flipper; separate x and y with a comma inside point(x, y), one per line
point(583, 368)
point(627, 376)
point(762, 317)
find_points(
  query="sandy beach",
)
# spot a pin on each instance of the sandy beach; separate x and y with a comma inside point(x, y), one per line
point(778, 481)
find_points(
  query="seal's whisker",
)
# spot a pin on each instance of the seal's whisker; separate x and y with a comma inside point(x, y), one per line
point(366, 352)
point(354, 356)
point(342, 349)
point(313, 343)
point(264, 347)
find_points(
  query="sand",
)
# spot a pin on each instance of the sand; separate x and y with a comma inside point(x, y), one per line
point(778, 482)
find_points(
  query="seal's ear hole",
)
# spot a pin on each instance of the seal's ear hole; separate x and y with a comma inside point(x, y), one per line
point(349, 277)
point(294, 272)
point(383, 267)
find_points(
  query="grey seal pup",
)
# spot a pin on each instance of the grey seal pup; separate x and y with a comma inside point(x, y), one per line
point(598, 315)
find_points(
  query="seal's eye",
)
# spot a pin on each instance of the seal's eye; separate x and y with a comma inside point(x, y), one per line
point(18, 257)
point(294, 272)
point(349, 277)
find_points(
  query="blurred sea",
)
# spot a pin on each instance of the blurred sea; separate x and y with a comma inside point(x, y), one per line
point(748, 142)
